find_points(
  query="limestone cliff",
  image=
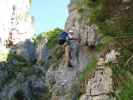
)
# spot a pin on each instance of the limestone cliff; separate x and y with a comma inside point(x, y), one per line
point(102, 64)
point(16, 22)
point(79, 25)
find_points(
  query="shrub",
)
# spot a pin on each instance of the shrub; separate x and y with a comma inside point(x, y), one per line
point(52, 37)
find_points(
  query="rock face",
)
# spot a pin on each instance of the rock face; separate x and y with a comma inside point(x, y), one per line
point(87, 33)
point(25, 83)
point(16, 22)
point(52, 79)
point(100, 86)
point(63, 81)
point(35, 82)
point(4, 18)
point(21, 23)
point(26, 50)
point(42, 51)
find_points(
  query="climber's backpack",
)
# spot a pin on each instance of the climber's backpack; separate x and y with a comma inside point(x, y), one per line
point(63, 37)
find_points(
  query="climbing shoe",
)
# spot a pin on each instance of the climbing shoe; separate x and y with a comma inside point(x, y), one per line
point(70, 64)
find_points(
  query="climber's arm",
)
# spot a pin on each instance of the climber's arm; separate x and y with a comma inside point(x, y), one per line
point(72, 37)
point(75, 38)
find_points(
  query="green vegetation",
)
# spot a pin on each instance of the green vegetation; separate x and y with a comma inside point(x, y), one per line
point(3, 56)
point(18, 61)
point(30, 1)
point(123, 72)
point(103, 43)
point(52, 37)
point(114, 19)
point(123, 82)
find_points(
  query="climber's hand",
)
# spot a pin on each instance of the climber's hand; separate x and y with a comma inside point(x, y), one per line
point(79, 40)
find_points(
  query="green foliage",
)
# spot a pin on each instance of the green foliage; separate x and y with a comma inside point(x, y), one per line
point(106, 40)
point(123, 82)
point(123, 72)
point(30, 1)
point(38, 38)
point(16, 65)
point(126, 91)
point(12, 56)
point(3, 56)
point(113, 17)
point(57, 51)
point(52, 37)
point(19, 60)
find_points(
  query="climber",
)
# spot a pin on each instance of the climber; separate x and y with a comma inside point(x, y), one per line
point(64, 40)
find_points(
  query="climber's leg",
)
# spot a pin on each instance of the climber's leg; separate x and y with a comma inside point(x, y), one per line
point(67, 51)
point(77, 52)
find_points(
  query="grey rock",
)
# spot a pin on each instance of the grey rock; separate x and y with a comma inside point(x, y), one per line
point(126, 1)
point(22, 85)
point(42, 52)
point(63, 82)
point(87, 33)
point(26, 50)
point(99, 87)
